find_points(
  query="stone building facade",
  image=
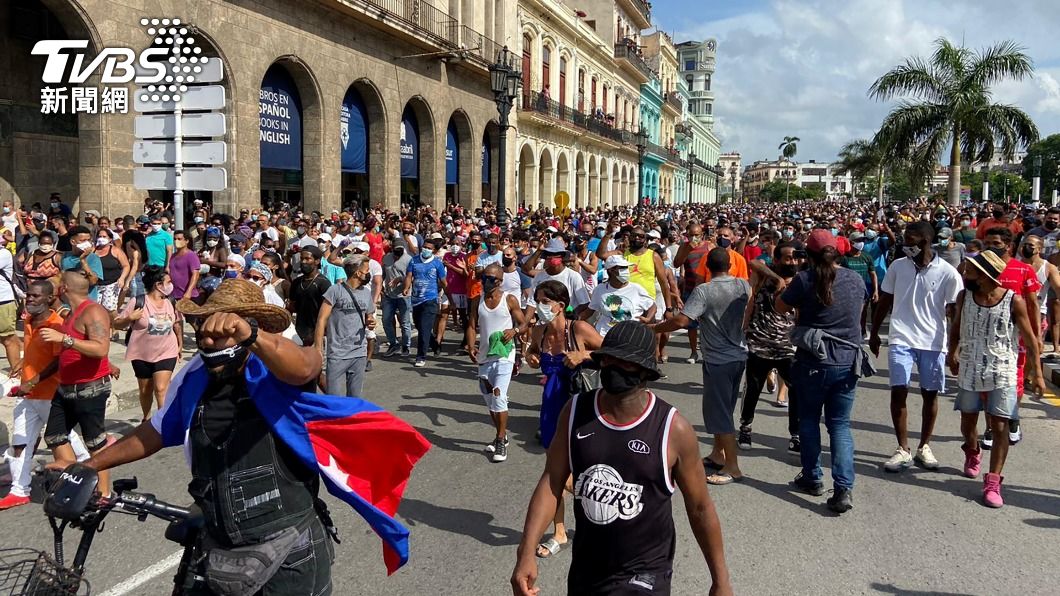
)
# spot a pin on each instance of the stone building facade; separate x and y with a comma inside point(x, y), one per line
point(580, 102)
point(419, 61)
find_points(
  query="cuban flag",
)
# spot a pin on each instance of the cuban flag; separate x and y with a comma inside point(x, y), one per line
point(363, 453)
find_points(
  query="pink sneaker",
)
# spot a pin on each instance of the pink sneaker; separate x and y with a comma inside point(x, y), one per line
point(972, 459)
point(11, 501)
point(992, 490)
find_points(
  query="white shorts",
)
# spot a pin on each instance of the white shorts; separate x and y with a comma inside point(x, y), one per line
point(30, 416)
point(493, 380)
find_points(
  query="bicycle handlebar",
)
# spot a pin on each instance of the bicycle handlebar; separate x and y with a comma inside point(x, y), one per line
point(143, 504)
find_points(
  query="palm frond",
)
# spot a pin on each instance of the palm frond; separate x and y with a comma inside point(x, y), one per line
point(950, 60)
point(1003, 60)
point(914, 77)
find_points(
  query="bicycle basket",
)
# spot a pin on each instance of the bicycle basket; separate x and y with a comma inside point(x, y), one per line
point(28, 572)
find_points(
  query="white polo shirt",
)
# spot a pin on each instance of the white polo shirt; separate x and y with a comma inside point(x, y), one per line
point(918, 317)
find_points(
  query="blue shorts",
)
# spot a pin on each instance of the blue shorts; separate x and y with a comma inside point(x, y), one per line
point(999, 402)
point(930, 365)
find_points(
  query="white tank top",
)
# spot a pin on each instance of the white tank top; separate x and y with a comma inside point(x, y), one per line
point(493, 321)
point(988, 345)
point(1043, 294)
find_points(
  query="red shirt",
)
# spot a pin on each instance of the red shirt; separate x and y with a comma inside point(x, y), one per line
point(751, 253)
point(74, 367)
point(1020, 277)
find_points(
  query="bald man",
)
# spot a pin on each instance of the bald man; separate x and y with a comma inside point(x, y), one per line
point(84, 372)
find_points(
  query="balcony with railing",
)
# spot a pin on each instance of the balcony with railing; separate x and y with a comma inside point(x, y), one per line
point(599, 124)
point(673, 99)
point(480, 48)
point(629, 55)
point(422, 20)
point(639, 10)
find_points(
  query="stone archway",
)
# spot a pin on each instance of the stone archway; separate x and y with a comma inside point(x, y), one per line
point(546, 179)
point(527, 176)
point(467, 167)
point(72, 145)
point(429, 188)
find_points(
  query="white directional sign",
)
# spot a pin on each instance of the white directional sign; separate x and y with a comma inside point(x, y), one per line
point(164, 126)
point(208, 97)
point(194, 152)
point(213, 179)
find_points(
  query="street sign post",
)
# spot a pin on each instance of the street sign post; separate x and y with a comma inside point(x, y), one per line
point(163, 134)
point(164, 126)
point(192, 178)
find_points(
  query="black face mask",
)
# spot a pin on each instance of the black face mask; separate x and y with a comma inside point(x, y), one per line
point(724, 242)
point(307, 268)
point(636, 244)
point(1050, 225)
point(398, 252)
point(619, 381)
point(224, 365)
point(1027, 251)
point(507, 262)
point(998, 214)
point(972, 285)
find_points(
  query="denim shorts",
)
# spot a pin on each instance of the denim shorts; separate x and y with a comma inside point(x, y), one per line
point(79, 405)
point(999, 402)
point(495, 374)
point(930, 365)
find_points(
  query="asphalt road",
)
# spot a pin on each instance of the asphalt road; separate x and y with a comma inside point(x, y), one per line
point(918, 532)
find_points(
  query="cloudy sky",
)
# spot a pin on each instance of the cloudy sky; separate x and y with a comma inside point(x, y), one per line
point(803, 67)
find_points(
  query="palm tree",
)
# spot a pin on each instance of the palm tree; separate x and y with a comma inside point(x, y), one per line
point(862, 158)
point(951, 104)
point(788, 149)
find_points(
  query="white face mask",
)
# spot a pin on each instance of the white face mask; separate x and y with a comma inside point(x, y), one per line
point(911, 251)
point(623, 275)
point(544, 312)
point(260, 283)
point(156, 227)
point(46, 248)
point(102, 241)
point(83, 246)
point(211, 243)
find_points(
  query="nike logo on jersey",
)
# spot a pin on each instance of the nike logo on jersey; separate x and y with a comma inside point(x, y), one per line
point(581, 436)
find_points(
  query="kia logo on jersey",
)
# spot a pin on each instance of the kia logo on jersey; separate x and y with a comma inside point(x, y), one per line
point(638, 446)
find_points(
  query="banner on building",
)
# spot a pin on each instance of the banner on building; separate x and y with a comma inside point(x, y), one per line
point(452, 156)
point(486, 160)
point(353, 133)
point(410, 146)
point(280, 113)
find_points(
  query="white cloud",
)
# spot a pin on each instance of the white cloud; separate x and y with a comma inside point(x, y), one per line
point(803, 67)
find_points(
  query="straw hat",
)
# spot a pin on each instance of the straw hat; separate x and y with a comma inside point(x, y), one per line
point(243, 298)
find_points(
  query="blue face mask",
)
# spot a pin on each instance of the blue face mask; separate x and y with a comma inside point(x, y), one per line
point(835, 231)
point(231, 274)
point(600, 233)
point(870, 234)
point(944, 242)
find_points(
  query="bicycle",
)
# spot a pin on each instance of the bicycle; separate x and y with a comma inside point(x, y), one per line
point(73, 500)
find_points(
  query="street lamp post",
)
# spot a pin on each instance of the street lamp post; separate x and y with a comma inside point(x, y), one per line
point(732, 175)
point(642, 144)
point(1036, 189)
point(691, 172)
point(505, 81)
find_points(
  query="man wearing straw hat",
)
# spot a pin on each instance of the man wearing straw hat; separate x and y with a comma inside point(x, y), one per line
point(255, 450)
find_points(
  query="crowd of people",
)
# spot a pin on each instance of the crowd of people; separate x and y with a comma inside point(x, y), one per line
point(786, 298)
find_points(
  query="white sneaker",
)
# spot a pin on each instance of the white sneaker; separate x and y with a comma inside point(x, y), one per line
point(1015, 437)
point(926, 458)
point(900, 461)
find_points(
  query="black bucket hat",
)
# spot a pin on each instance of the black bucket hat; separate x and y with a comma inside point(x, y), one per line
point(630, 341)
